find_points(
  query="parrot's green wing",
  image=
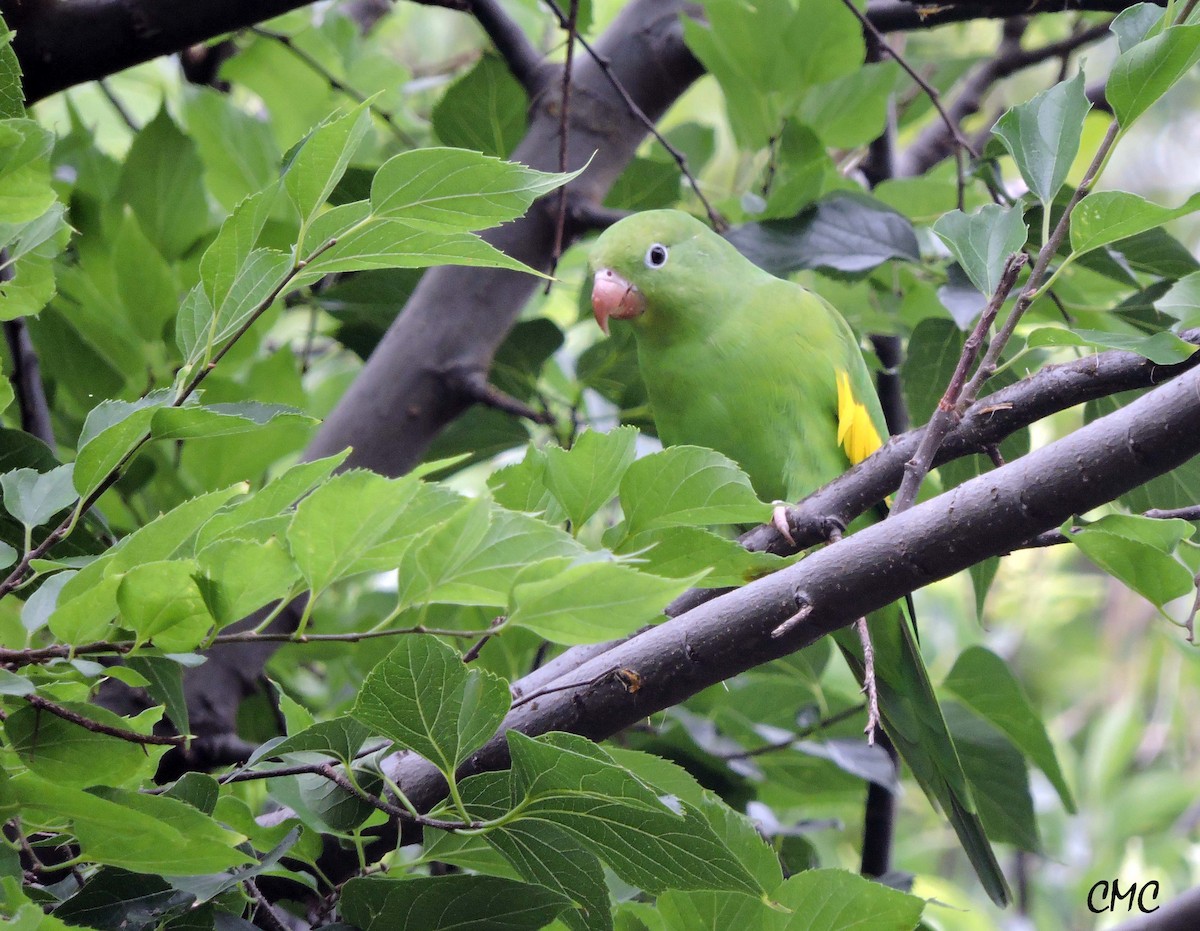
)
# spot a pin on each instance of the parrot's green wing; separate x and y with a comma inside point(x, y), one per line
point(771, 375)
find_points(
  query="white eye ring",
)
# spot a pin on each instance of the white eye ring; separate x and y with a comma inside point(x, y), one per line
point(656, 256)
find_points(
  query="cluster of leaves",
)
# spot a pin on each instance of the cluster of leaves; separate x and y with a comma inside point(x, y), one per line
point(171, 283)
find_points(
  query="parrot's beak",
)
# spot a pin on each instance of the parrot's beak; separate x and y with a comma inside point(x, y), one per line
point(613, 296)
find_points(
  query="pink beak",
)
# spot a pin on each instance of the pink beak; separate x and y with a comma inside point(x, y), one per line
point(613, 296)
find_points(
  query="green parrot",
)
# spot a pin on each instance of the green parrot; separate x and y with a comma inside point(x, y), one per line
point(768, 373)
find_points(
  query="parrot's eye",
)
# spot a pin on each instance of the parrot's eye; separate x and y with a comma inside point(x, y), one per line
point(656, 256)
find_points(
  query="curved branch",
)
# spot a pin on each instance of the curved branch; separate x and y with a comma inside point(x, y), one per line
point(987, 516)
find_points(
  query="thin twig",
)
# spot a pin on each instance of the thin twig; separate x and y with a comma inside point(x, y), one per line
point(948, 407)
point(717, 221)
point(964, 144)
point(821, 725)
point(564, 116)
point(330, 772)
point(43, 704)
point(336, 83)
point(117, 104)
point(473, 385)
point(265, 910)
point(524, 61)
point(473, 653)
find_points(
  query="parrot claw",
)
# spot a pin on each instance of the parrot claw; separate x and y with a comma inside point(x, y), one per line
point(779, 520)
point(869, 688)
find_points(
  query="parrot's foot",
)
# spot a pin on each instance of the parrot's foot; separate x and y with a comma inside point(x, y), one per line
point(869, 688)
point(779, 520)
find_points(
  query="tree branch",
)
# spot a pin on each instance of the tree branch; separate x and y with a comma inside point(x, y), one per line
point(27, 383)
point(987, 516)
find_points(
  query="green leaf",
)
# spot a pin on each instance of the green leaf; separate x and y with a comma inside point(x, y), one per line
point(522, 487)
point(765, 54)
point(25, 192)
point(341, 737)
point(1107, 216)
point(691, 486)
point(195, 421)
point(164, 679)
point(689, 552)
point(116, 898)
point(113, 429)
point(568, 781)
point(240, 576)
point(589, 602)
point(846, 232)
point(429, 903)
point(1162, 348)
point(486, 109)
point(422, 696)
point(385, 242)
point(982, 681)
point(322, 159)
point(71, 755)
point(162, 180)
point(12, 102)
point(1145, 72)
point(548, 856)
point(161, 601)
point(239, 152)
point(1182, 301)
point(1043, 135)
point(851, 110)
point(1138, 551)
point(983, 241)
point(585, 477)
point(144, 833)
point(1134, 23)
point(456, 190)
point(340, 522)
point(34, 498)
point(998, 776)
point(483, 572)
point(836, 900)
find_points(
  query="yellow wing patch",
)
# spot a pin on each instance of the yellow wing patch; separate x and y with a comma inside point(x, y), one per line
point(856, 433)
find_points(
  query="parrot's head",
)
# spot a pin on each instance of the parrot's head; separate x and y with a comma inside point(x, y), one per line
point(659, 269)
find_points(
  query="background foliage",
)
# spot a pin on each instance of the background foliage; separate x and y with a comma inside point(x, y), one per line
point(197, 261)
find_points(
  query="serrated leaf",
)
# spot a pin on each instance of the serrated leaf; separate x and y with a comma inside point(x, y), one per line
point(590, 602)
point(341, 737)
point(34, 498)
point(340, 522)
point(982, 681)
point(570, 782)
point(689, 486)
point(240, 576)
point(983, 241)
point(196, 421)
point(434, 903)
point(836, 900)
point(1107, 216)
point(457, 190)
point(161, 601)
point(322, 159)
point(687, 552)
point(1162, 348)
point(144, 833)
point(423, 697)
point(164, 678)
point(1145, 71)
point(1043, 135)
point(585, 477)
point(111, 431)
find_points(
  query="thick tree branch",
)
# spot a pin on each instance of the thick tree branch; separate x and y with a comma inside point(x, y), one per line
point(27, 383)
point(987, 516)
